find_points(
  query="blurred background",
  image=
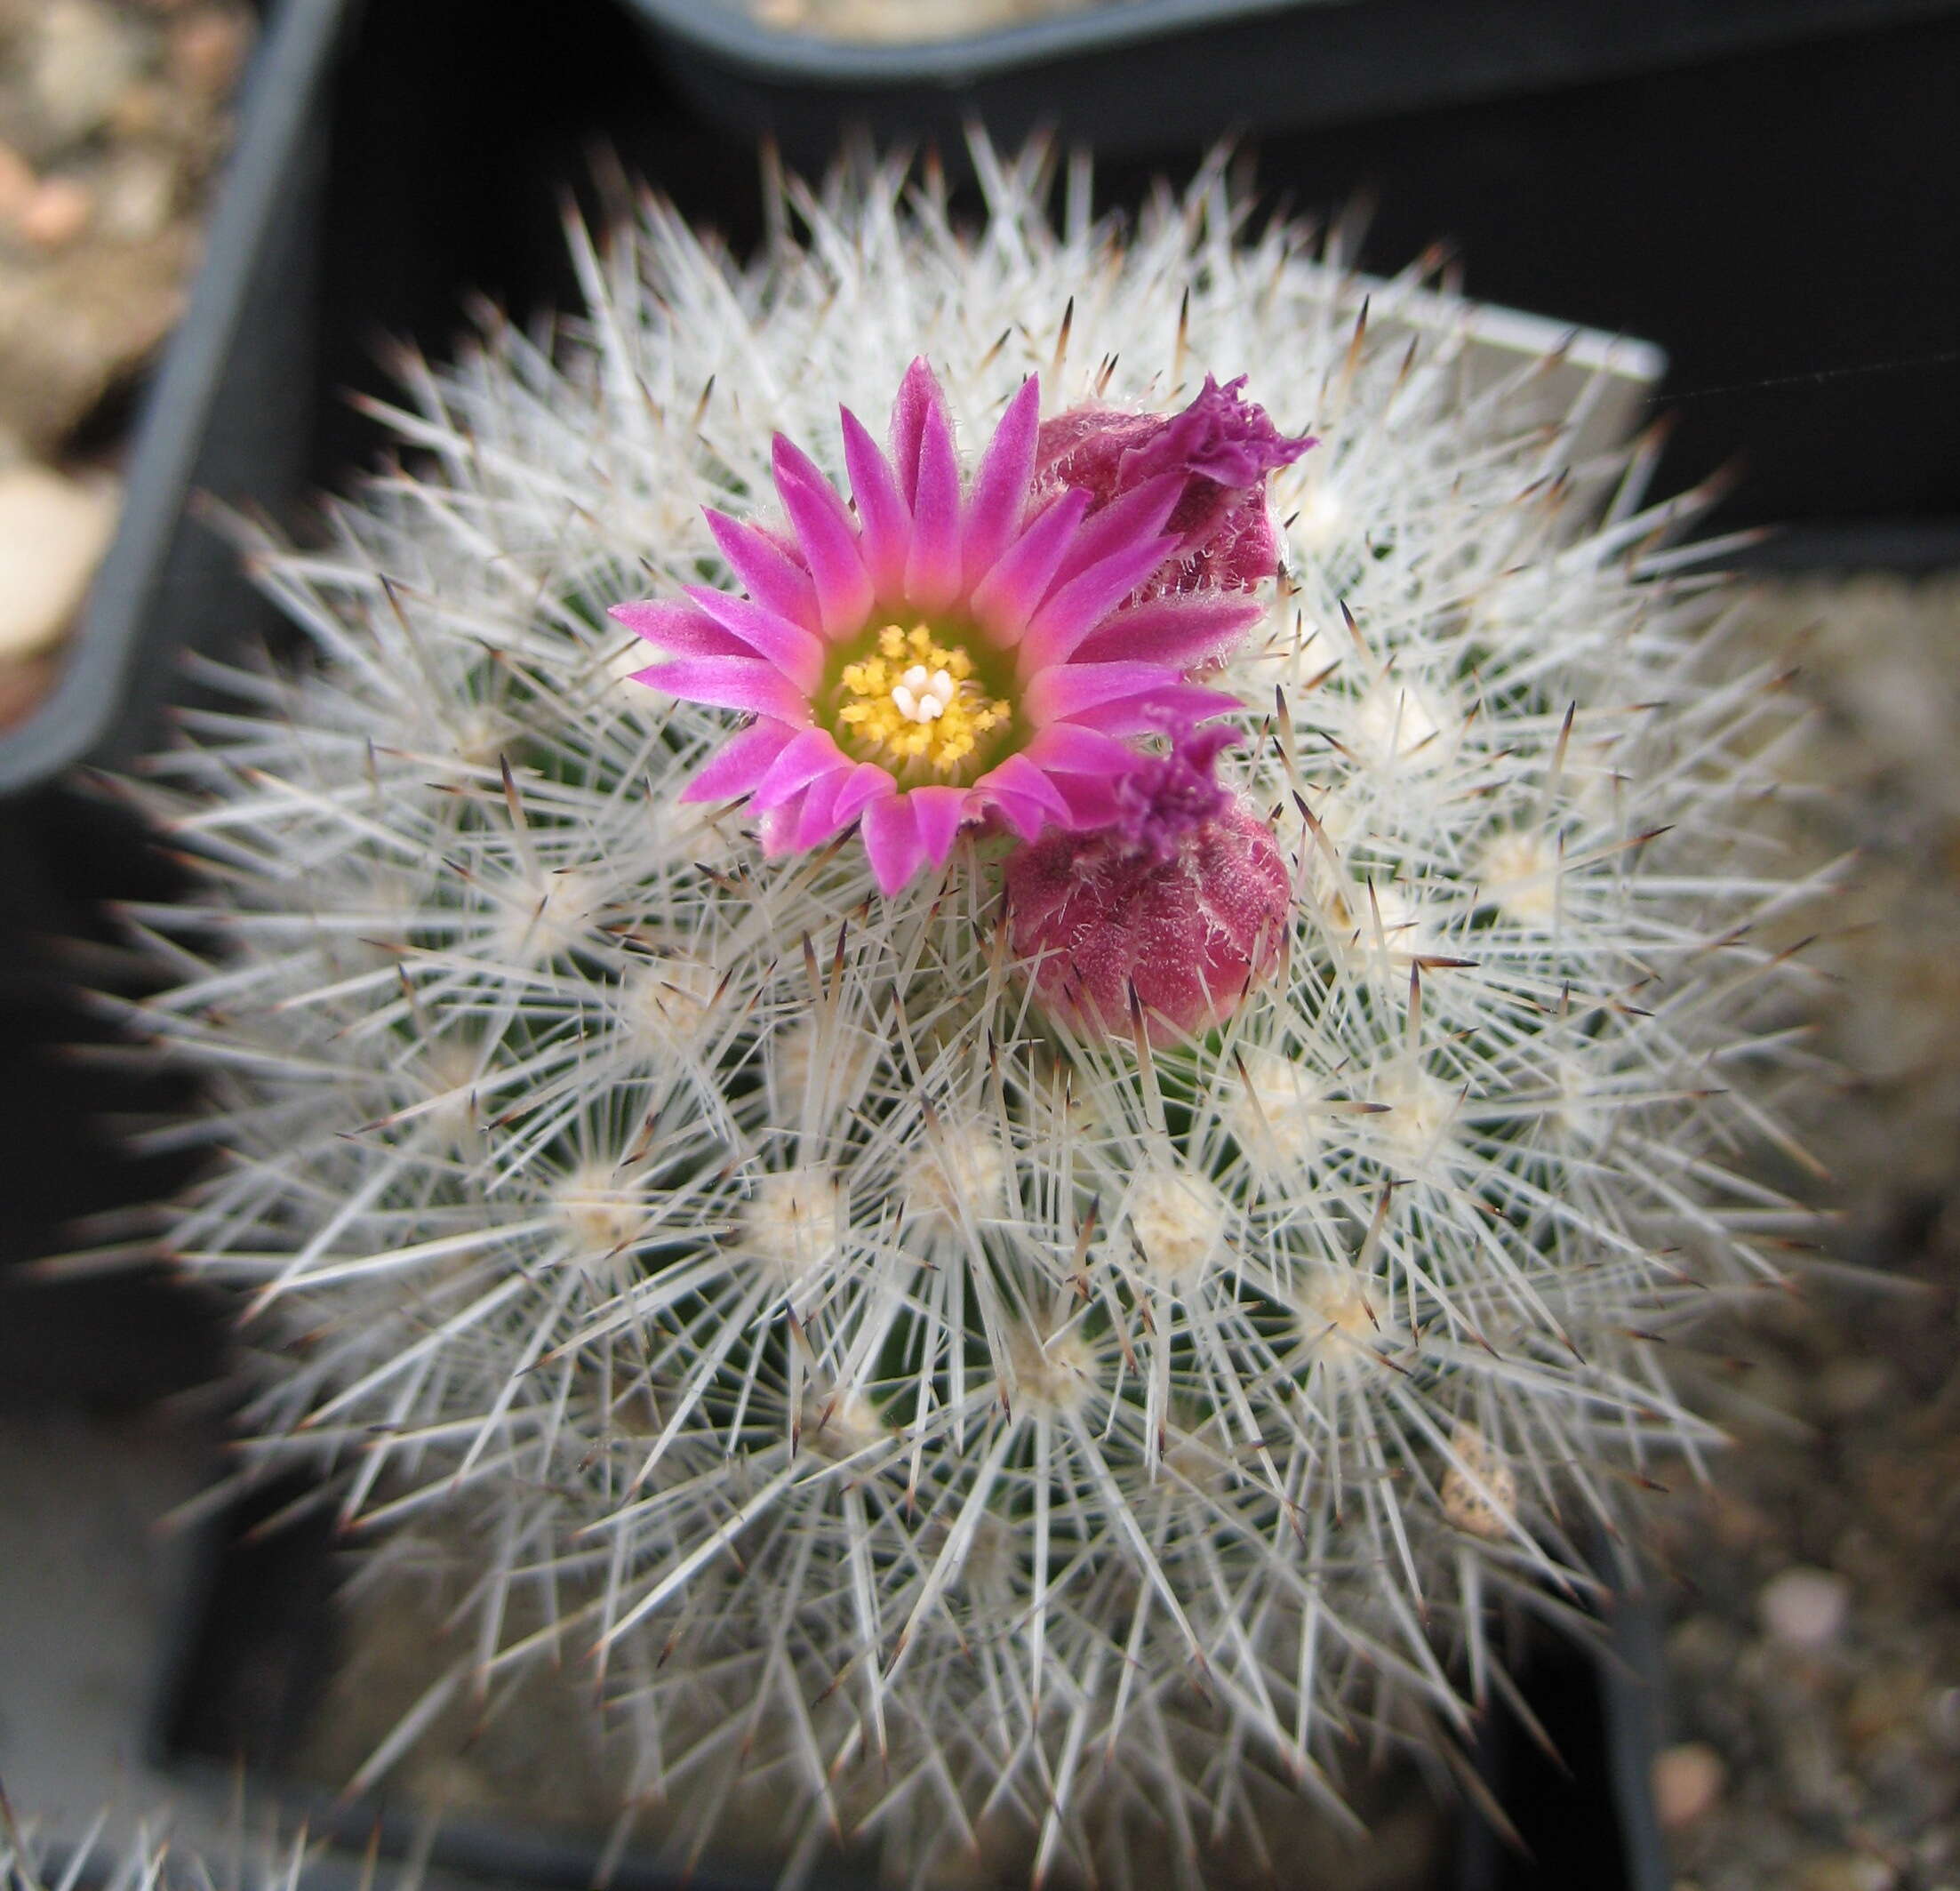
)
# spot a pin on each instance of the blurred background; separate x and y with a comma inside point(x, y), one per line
point(215, 221)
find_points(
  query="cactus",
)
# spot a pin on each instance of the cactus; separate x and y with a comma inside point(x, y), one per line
point(957, 1408)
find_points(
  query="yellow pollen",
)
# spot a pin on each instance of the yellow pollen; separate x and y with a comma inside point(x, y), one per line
point(916, 702)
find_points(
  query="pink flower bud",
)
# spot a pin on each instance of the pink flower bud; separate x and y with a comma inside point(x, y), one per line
point(1182, 900)
point(1222, 445)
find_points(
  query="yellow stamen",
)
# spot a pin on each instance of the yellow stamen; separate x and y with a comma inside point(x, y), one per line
point(916, 700)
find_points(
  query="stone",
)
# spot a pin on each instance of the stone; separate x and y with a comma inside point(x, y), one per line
point(136, 197)
point(81, 58)
point(54, 531)
point(56, 214)
point(1804, 1609)
point(74, 322)
point(23, 687)
point(207, 51)
point(1846, 1871)
point(18, 183)
point(1688, 1780)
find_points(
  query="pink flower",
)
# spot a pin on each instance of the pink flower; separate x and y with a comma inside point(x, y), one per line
point(938, 654)
point(1221, 448)
point(1182, 899)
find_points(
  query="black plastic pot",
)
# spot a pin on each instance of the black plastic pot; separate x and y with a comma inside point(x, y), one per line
point(1139, 74)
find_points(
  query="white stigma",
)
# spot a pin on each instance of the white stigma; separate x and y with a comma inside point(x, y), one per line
point(923, 694)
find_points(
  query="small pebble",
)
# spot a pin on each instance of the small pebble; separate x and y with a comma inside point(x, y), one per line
point(83, 56)
point(22, 688)
point(207, 48)
point(138, 194)
point(56, 214)
point(52, 533)
point(142, 109)
point(18, 182)
point(1804, 1609)
point(1846, 1871)
point(1687, 1783)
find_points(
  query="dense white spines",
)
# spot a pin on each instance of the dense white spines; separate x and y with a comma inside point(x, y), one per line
point(978, 1425)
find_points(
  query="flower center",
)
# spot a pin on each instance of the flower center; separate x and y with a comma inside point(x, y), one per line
point(913, 701)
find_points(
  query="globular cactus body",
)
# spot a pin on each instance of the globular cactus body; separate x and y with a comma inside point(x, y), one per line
point(952, 1414)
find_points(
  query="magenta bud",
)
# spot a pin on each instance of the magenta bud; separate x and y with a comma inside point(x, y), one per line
point(1182, 900)
point(1222, 445)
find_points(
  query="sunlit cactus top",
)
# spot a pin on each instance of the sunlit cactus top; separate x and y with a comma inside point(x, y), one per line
point(942, 656)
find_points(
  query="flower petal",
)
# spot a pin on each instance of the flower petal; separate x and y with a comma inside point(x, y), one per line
point(674, 626)
point(740, 764)
point(866, 783)
point(1066, 747)
point(892, 843)
point(1008, 596)
point(1146, 712)
point(812, 754)
point(939, 813)
point(933, 569)
point(1141, 513)
point(828, 539)
point(1177, 630)
point(763, 634)
point(1083, 603)
point(999, 499)
point(733, 682)
point(885, 523)
point(1066, 690)
point(918, 398)
point(764, 570)
point(1018, 779)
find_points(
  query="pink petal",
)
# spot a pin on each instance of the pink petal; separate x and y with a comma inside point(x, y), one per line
point(732, 683)
point(1091, 799)
point(999, 498)
point(832, 802)
point(1176, 632)
point(813, 753)
point(933, 570)
point(886, 525)
point(1009, 595)
point(1065, 691)
point(828, 539)
point(1081, 605)
point(1017, 779)
point(1145, 713)
point(1027, 817)
point(892, 842)
point(1066, 747)
point(1138, 513)
point(740, 764)
point(775, 639)
point(868, 782)
point(674, 626)
point(815, 821)
point(765, 571)
point(918, 397)
point(939, 813)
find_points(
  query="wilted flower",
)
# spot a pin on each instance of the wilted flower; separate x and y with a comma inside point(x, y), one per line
point(941, 656)
point(1175, 907)
point(1221, 448)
